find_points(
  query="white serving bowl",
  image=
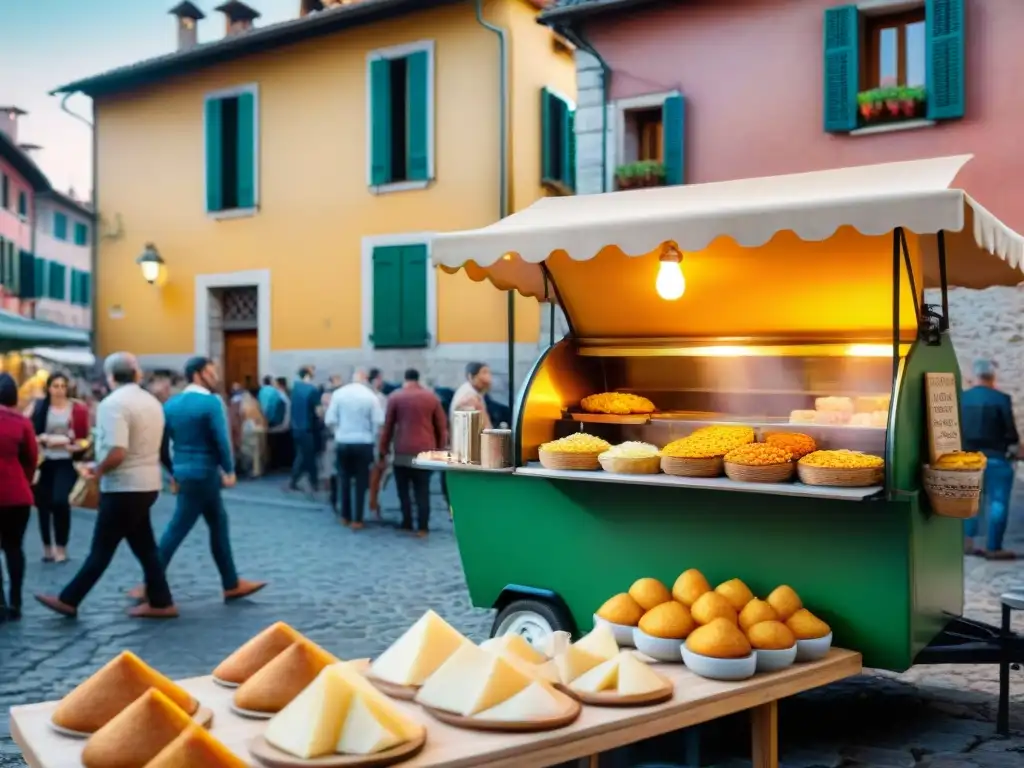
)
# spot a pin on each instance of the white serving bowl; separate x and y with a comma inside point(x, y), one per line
point(622, 633)
point(658, 648)
point(773, 661)
point(720, 669)
point(813, 650)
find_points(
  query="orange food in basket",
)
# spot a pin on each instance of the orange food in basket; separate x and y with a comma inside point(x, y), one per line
point(758, 455)
point(797, 443)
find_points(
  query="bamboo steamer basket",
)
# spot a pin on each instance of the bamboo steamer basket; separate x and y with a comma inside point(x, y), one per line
point(622, 465)
point(860, 477)
point(684, 467)
point(954, 492)
point(765, 473)
point(577, 461)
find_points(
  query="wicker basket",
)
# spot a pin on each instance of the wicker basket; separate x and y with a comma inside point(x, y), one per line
point(583, 461)
point(954, 492)
point(680, 467)
point(648, 465)
point(860, 477)
point(768, 473)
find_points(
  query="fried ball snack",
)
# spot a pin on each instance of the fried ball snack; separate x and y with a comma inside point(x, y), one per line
point(797, 443)
point(711, 606)
point(649, 593)
point(961, 460)
point(771, 636)
point(670, 620)
point(721, 639)
point(618, 403)
point(736, 592)
point(785, 601)
point(806, 626)
point(690, 585)
point(758, 455)
point(577, 442)
point(621, 609)
point(709, 442)
point(842, 460)
point(755, 612)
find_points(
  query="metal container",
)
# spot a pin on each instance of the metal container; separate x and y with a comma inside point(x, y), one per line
point(466, 426)
point(496, 448)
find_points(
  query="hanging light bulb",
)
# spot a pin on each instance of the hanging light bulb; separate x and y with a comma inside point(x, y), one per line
point(671, 284)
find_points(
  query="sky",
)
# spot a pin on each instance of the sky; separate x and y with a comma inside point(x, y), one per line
point(48, 43)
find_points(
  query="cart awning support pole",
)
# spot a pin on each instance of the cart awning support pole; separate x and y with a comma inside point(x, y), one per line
point(897, 234)
point(944, 323)
point(511, 353)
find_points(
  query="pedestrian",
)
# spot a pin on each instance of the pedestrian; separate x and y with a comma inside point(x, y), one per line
point(416, 422)
point(329, 458)
point(989, 427)
point(58, 422)
point(197, 453)
point(470, 395)
point(379, 470)
point(130, 427)
point(306, 428)
point(18, 459)
point(356, 417)
point(279, 433)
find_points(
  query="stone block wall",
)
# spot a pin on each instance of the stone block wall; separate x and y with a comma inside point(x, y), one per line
point(589, 134)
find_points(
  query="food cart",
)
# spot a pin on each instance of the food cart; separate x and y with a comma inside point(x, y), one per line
point(796, 288)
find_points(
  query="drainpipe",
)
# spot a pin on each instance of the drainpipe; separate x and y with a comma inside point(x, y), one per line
point(503, 207)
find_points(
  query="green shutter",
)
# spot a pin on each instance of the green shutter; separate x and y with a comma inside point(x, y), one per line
point(414, 296)
point(85, 289)
point(246, 150)
point(40, 276)
point(60, 226)
point(842, 49)
point(58, 279)
point(673, 128)
point(214, 182)
point(26, 273)
point(73, 298)
point(418, 135)
point(81, 234)
point(387, 296)
point(568, 145)
point(11, 266)
point(4, 276)
point(547, 134)
point(944, 62)
point(380, 121)
point(23, 204)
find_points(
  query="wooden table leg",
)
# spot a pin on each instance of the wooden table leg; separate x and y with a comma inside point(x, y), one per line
point(765, 735)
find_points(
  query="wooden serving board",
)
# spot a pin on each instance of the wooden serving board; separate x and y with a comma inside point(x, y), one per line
point(611, 418)
point(613, 699)
point(571, 711)
point(395, 691)
point(271, 756)
point(251, 714)
point(203, 717)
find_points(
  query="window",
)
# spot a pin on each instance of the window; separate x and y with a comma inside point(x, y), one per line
point(400, 275)
point(26, 267)
point(57, 288)
point(81, 233)
point(6, 270)
point(23, 204)
point(651, 141)
point(80, 288)
point(558, 141)
point(401, 106)
point(60, 225)
point(891, 67)
point(41, 270)
point(5, 191)
point(231, 151)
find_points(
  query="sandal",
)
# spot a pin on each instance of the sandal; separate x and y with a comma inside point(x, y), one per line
point(1001, 554)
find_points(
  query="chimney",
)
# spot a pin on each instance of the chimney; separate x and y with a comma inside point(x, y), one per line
point(238, 17)
point(188, 21)
point(9, 122)
point(307, 7)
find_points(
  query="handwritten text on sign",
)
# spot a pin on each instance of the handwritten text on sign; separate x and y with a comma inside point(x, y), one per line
point(943, 414)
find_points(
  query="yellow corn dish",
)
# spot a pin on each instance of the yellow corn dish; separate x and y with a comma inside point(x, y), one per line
point(577, 442)
point(797, 443)
point(758, 455)
point(842, 459)
point(617, 403)
point(709, 442)
point(631, 450)
point(961, 460)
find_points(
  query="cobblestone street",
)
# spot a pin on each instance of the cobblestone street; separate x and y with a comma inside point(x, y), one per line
point(355, 593)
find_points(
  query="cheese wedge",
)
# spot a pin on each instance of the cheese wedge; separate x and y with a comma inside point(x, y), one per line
point(603, 677)
point(256, 653)
point(515, 645)
point(195, 748)
point(309, 726)
point(471, 681)
point(600, 642)
point(535, 702)
point(383, 708)
point(556, 643)
point(417, 654)
point(284, 678)
point(548, 672)
point(137, 734)
point(107, 693)
point(574, 662)
point(636, 677)
point(364, 733)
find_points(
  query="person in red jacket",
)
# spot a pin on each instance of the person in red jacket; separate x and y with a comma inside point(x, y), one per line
point(18, 459)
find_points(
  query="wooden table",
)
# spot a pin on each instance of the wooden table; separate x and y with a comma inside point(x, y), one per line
point(598, 729)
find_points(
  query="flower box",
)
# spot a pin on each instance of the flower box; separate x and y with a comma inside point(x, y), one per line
point(891, 105)
point(646, 173)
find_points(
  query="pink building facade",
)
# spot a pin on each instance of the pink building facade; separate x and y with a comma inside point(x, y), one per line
point(17, 202)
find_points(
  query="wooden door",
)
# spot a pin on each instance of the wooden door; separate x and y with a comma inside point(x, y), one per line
point(241, 359)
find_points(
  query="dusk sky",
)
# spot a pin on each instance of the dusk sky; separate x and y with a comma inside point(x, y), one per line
point(47, 43)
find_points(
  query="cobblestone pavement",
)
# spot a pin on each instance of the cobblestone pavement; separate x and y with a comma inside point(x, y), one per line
point(354, 593)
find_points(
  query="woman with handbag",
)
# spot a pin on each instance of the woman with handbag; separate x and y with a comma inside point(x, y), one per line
point(58, 422)
point(18, 457)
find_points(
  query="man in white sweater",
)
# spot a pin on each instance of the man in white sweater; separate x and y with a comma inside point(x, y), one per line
point(356, 416)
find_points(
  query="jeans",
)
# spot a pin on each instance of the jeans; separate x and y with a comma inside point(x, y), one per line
point(995, 502)
point(13, 521)
point(354, 460)
point(56, 479)
point(418, 481)
point(122, 516)
point(195, 498)
point(305, 458)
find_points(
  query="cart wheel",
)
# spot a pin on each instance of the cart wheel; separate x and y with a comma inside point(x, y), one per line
point(532, 619)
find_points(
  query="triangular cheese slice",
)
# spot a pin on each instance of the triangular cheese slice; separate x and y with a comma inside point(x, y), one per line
point(600, 642)
point(137, 734)
point(195, 748)
point(535, 702)
point(636, 677)
point(309, 726)
point(573, 662)
point(256, 653)
point(556, 643)
point(603, 677)
point(382, 707)
point(417, 654)
point(280, 681)
point(542, 672)
point(471, 681)
point(364, 733)
point(548, 672)
point(516, 645)
point(107, 693)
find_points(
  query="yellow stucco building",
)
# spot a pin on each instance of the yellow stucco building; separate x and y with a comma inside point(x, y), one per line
point(291, 176)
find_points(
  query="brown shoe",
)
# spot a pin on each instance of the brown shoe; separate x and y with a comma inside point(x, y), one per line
point(137, 593)
point(357, 526)
point(244, 589)
point(345, 522)
point(422, 534)
point(147, 611)
point(57, 605)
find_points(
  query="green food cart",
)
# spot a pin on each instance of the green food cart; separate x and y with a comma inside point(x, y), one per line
point(737, 302)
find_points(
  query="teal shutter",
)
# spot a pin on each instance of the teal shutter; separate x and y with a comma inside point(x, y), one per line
point(58, 279)
point(418, 133)
point(380, 121)
point(841, 68)
point(26, 271)
point(214, 182)
point(944, 60)
point(81, 234)
point(40, 276)
point(3, 263)
point(60, 226)
point(673, 129)
point(414, 296)
point(547, 133)
point(73, 299)
point(568, 145)
point(246, 150)
point(387, 297)
point(85, 289)
point(22, 204)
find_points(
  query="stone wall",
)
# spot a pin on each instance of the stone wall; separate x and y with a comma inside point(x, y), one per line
point(589, 125)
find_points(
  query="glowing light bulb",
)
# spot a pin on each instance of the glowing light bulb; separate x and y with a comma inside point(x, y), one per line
point(150, 271)
point(671, 284)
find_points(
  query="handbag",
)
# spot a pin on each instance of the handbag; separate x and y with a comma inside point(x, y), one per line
point(86, 493)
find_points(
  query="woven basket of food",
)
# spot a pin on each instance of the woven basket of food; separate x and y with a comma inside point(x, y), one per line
point(576, 451)
point(701, 453)
point(953, 484)
point(841, 469)
point(797, 443)
point(680, 466)
point(631, 458)
point(759, 463)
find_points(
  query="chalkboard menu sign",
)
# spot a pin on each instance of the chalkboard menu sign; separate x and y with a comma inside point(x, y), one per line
point(943, 412)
